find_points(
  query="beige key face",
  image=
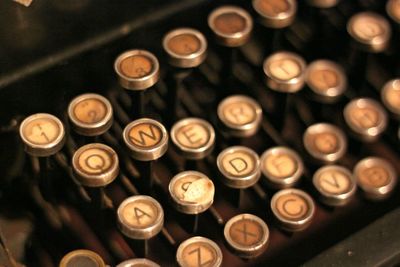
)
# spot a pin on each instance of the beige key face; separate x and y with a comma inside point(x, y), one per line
point(364, 118)
point(238, 163)
point(272, 8)
point(136, 66)
point(82, 257)
point(323, 79)
point(292, 206)
point(90, 111)
point(392, 96)
point(368, 28)
point(334, 182)
point(280, 165)
point(230, 23)
point(41, 131)
point(95, 161)
point(284, 69)
point(246, 232)
point(199, 254)
point(145, 135)
point(239, 113)
point(184, 44)
point(374, 177)
point(326, 143)
point(395, 9)
point(193, 135)
point(194, 189)
point(140, 214)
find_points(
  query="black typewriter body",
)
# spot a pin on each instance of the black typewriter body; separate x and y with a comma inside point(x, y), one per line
point(53, 51)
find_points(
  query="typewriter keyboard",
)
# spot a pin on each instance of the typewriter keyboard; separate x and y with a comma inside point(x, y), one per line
point(216, 133)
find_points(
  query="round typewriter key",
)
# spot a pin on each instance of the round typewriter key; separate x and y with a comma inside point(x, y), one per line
point(194, 138)
point(138, 263)
point(370, 30)
point(239, 166)
point(146, 139)
point(90, 114)
point(199, 251)
point(82, 258)
point(366, 117)
point(247, 235)
point(137, 69)
point(276, 13)
point(282, 167)
point(192, 192)
point(95, 165)
point(43, 134)
point(231, 25)
point(240, 115)
point(186, 47)
point(393, 10)
point(325, 142)
point(326, 79)
point(284, 72)
point(293, 209)
point(323, 3)
point(390, 95)
point(376, 177)
point(139, 219)
point(335, 185)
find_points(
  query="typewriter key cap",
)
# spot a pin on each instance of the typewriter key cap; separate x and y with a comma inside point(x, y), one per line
point(282, 167)
point(326, 79)
point(95, 165)
point(370, 30)
point(325, 142)
point(146, 139)
point(284, 72)
point(140, 217)
point(240, 116)
point(43, 134)
point(276, 13)
point(137, 71)
point(193, 137)
point(138, 263)
point(366, 117)
point(247, 235)
point(186, 47)
point(390, 95)
point(376, 177)
point(393, 10)
point(294, 209)
point(191, 192)
point(335, 185)
point(90, 114)
point(231, 25)
point(82, 258)
point(239, 166)
point(199, 251)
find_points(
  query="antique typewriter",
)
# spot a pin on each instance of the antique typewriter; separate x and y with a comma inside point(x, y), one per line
point(199, 133)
